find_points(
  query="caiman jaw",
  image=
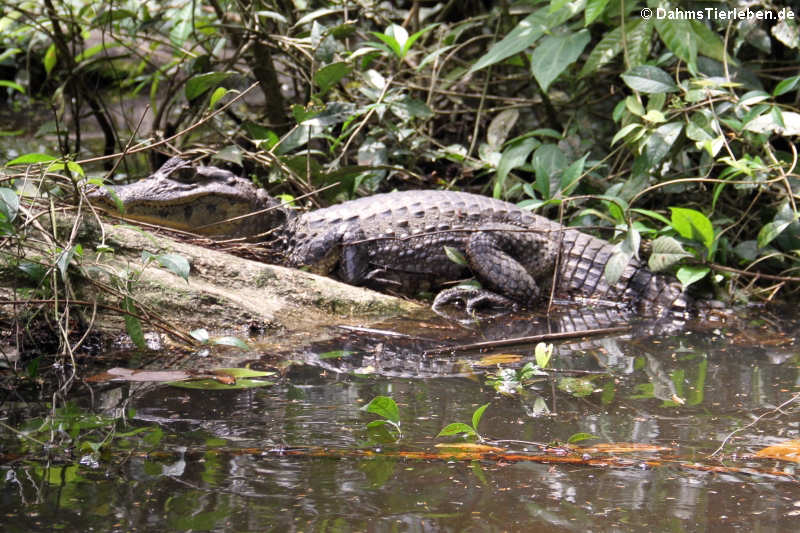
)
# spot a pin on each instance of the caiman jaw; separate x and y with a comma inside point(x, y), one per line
point(201, 203)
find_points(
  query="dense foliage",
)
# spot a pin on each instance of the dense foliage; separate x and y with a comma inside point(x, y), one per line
point(590, 111)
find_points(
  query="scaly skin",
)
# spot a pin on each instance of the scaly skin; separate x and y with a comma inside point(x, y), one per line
point(397, 240)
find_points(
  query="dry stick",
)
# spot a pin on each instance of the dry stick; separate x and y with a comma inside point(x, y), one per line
point(528, 339)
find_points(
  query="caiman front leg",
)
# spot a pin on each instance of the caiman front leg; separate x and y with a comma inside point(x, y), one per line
point(491, 254)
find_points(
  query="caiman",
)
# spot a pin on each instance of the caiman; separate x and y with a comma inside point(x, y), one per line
point(404, 241)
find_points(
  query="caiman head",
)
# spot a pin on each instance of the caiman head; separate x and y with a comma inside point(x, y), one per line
point(202, 200)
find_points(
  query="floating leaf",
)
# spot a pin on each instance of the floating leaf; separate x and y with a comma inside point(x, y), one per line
point(785, 451)
point(215, 384)
point(336, 354)
point(578, 387)
point(230, 341)
point(200, 334)
point(624, 447)
point(498, 359)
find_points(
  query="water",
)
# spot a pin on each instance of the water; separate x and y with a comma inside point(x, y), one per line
point(294, 456)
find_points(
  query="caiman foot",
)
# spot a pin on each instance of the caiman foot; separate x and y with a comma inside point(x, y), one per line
point(472, 298)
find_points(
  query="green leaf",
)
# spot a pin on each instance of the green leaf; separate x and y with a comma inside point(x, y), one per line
point(457, 428)
point(621, 134)
point(200, 83)
point(666, 252)
point(640, 43)
point(218, 93)
point(555, 53)
point(213, 384)
point(383, 406)
point(693, 225)
point(243, 372)
point(542, 353)
point(578, 437)
point(649, 79)
point(787, 85)
point(230, 341)
point(200, 334)
point(771, 230)
point(477, 415)
point(572, 175)
point(577, 387)
point(662, 140)
point(526, 33)
point(500, 127)
point(455, 256)
point(31, 159)
point(688, 274)
point(12, 85)
point(9, 204)
point(608, 48)
point(177, 264)
point(330, 75)
point(594, 8)
point(411, 40)
point(709, 43)
point(512, 157)
point(621, 256)
point(64, 260)
point(132, 325)
point(50, 58)
point(336, 354)
point(548, 160)
point(680, 39)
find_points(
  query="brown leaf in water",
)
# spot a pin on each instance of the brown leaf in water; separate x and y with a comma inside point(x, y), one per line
point(785, 451)
point(127, 374)
point(623, 447)
point(498, 359)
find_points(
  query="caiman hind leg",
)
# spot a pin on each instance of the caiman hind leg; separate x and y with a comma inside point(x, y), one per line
point(491, 254)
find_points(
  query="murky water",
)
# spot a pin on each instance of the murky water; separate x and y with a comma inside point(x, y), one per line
point(291, 457)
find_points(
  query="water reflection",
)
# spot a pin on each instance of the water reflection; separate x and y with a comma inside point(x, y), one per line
point(218, 466)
